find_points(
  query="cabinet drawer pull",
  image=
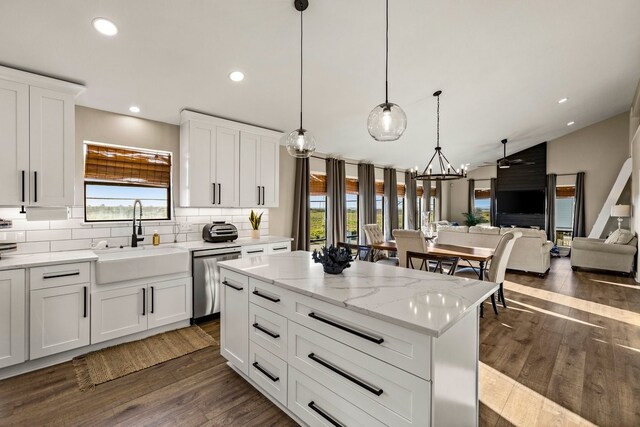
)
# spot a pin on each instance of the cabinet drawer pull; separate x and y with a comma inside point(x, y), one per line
point(375, 390)
point(213, 184)
point(219, 194)
point(35, 187)
point(85, 301)
point(267, 373)
point(55, 276)
point(346, 329)
point(266, 331)
point(257, 251)
point(258, 195)
point(267, 297)
point(323, 414)
point(23, 192)
point(237, 288)
point(144, 301)
point(152, 298)
point(279, 249)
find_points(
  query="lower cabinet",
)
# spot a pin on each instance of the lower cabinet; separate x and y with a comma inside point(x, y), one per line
point(234, 319)
point(128, 310)
point(59, 319)
point(12, 317)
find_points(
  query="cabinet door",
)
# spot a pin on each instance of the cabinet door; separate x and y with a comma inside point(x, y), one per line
point(52, 147)
point(269, 171)
point(12, 317)
point(118, 312)
point(14, 143)
point(234, 319)
point(59, 319)
point(227, 170)
point(197, 151)
point(169, 302)
point(249, 172)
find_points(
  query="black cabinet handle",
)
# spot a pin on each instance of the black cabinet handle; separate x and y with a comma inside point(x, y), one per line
point(267, 297)
point(85, 302)
point(219, 194)
point(323, 414)
point(55, 276)
point(264, 371)
point(346, 329)
point(35, 187)
point(213, 184)
point(257, 251)
point(375, 390)
point(258, 195)
point(279, 249)
point(152, 299)
point(263, 195)
point(266, 331)
point(23, 192)
point(237, 288)
point(144, 301)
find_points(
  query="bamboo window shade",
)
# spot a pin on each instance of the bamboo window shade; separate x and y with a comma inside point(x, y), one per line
point(318, 185)
point(401, 190)
point(120, 165)
point(420, 191)
point(482, 193)
point(351, 185)
point(379, 188)
point(565, 191)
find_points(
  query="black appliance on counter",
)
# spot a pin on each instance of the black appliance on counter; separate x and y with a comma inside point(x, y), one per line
point(219, 231)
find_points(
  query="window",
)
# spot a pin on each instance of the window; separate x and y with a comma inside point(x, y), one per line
point(482, 203)
point(114, 177)
point(565, 203)
point(401, 192)
point(380, 204)
point(318, 211)
point(351, 204)
point(419, 207)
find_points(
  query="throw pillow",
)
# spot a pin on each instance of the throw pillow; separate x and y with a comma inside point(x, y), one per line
point(619, 237)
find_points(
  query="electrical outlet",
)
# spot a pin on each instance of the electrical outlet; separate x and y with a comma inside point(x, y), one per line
point(185, 227)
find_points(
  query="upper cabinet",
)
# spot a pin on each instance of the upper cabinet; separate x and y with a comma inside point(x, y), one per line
point(227, 164)
point(37, 139)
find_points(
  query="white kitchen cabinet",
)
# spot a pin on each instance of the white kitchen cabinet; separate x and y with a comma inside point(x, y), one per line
point(169, 302)
point(37, 139)
point(275, 248)
point(12, 317)
point(227, 164)
point(254, 250)
point(234, 319)
point(259, 176)
point(59, 319)
point(118, 312)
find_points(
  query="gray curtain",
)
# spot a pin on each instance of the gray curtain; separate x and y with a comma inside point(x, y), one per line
point(439, 200)
point(427, 198)
point(493, 213)
point(471, 195)
point(578, 214)
point(301, 227)
point(410, 196)
point(390, 202)
point(366, 197)
point(550, 221)
point(336, 207)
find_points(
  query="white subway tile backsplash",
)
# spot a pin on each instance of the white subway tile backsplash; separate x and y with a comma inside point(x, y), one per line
point(23, 224)
point(68, 223)
point(210, 211)
point(48, 235)
point(70, 245)
point(187, 212)
point(91, 233)
point(199, 219)
point(33, 247)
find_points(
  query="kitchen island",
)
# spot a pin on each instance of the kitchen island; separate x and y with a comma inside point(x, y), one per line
point(375, 345)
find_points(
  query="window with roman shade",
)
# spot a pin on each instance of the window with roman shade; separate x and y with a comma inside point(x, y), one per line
point(115, 176)
point(318, 210)
point(351, 205)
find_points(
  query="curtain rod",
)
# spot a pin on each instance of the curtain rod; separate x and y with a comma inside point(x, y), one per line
point(357, 164)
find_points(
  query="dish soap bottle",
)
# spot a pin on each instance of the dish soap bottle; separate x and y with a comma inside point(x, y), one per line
point(156, 238)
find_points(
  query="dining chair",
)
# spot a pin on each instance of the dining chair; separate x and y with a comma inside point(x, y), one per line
point(409, 240)
point(497, 267)
point(433, 263)
point(373, 234)
point(362, 252)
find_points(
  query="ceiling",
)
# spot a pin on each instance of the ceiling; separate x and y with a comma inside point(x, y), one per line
point(502, 66)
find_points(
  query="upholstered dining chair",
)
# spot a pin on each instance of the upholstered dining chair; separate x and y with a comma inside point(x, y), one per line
point(362, 252)
point(409, 240)
point(373, 234)
point(498, 265)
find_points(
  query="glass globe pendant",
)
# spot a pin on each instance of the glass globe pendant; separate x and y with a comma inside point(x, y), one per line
point(301, 143)
point(387, 121)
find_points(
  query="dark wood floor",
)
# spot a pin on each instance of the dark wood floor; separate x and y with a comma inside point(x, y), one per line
point(565, 352)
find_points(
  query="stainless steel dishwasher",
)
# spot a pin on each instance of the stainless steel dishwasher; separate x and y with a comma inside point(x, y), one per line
point(206, 279)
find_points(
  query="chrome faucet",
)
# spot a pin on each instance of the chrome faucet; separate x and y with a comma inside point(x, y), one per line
point(134, 238)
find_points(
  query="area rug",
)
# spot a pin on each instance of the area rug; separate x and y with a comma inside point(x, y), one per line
point(110, 363)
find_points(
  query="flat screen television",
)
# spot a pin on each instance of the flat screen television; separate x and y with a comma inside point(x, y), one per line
point(521, 202)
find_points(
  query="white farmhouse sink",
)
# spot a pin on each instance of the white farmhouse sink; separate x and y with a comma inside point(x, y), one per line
point(118, 265)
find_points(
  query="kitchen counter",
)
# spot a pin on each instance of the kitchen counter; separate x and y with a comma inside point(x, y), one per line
point(9, 261)
point(243, 241)
point(425, 302)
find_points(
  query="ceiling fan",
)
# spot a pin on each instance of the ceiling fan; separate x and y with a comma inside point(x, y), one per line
point(505, 163)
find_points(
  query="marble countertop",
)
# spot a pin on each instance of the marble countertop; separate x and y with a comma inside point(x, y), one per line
point(426, 302)
point(243, 241)
point(9, 261)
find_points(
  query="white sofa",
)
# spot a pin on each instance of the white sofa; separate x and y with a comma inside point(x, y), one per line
point(595, 253)
point(530, 253)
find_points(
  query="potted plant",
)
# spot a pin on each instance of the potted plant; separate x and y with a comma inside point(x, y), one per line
point(473, 218)
point(255, 224)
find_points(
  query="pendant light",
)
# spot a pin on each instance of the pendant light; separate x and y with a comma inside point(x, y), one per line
point(301, 143)
point(387, 121)
point(443, 171)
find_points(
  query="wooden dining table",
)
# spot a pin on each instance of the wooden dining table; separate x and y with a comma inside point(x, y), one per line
point(467, 253)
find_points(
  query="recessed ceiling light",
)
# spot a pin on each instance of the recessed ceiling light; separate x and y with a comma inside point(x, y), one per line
point(104, 26)
point(237, 76)
point(571, 123)
point(563, 100)
point(134, 109)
